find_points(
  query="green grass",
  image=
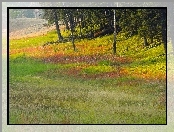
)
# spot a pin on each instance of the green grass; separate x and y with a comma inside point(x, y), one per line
point(42, 92)
point(33, 41)
point(39, 94)
point(22, 66)
point(104, 63)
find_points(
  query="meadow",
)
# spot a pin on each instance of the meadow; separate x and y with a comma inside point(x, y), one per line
point(53, 84)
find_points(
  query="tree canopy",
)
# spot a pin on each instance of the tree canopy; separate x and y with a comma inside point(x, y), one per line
point(148, 23)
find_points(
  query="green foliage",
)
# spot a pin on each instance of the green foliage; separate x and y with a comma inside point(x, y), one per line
point(147, 23)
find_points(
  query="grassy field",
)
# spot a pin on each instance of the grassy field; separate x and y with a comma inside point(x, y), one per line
point(55, 85)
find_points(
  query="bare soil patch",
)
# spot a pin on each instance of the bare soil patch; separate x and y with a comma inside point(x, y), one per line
point(28, 32)
point(29, 27)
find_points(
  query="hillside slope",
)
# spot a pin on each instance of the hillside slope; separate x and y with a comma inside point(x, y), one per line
point(55, 85)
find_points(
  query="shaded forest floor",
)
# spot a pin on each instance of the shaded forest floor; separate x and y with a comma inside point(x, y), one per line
point(54, 84)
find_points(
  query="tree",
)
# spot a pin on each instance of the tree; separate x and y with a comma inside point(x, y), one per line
point(51, 16)
point(63, 16)
point(56, 20)
point(114, 43)
point(72, 25)
point(148, 26)
point(147, 23)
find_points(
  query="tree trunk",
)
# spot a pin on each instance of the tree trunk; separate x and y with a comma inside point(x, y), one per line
point(101, 26)
point(145, 41)
point(57, 25)
point(74, 47)
point(92, 32)
point(92, 27)
point(80, 26)
point(66, 25)
point(72, 30)
point(82, 22)
point(114, 43)
point(151, 39)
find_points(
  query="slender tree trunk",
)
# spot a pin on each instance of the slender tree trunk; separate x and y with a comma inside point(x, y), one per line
point(101, 26)
point(151, 39)
point(66, 25)
point(80, 26)
point(145, 41)
point(57, 25)
point(82, 21)
point(111, 20)
point(92, 27)
point(114, 43)
point(74, 47)
point(72, 30)
point(92, 32)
